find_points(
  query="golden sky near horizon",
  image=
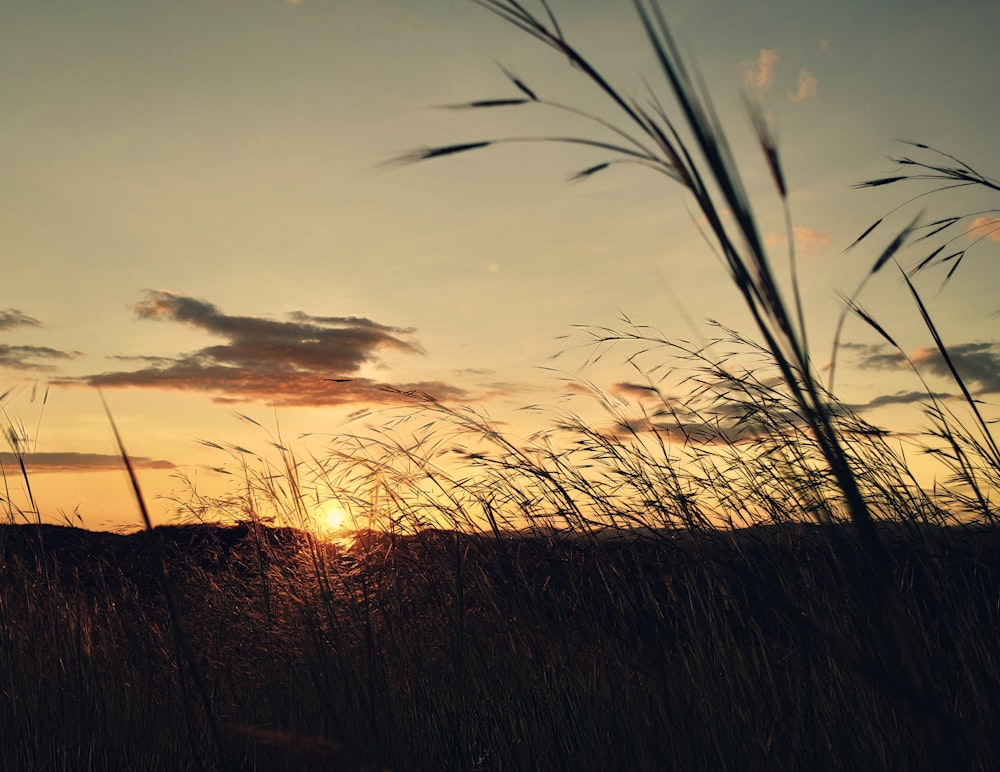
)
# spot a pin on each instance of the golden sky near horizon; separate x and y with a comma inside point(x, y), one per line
point(198, 218)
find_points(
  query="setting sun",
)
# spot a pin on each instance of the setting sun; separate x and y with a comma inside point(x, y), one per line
point(332, 517)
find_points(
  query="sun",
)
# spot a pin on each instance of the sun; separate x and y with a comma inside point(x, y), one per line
point(332, 517)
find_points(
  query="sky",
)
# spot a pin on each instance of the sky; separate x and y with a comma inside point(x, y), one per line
point(201, 218)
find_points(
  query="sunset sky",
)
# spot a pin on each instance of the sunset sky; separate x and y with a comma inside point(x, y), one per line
point(198, 216)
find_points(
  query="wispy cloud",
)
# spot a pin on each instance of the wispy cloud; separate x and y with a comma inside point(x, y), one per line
point(759, 72)
point(807, 240)
point(900, 398)
point(575, 388)
point(877, 356)
point(302, 361)
point(985, 227)
point(636, 391)
point(806, 87)
point(21, 357)
point(37, 463)
point(728, 430)
point(824, 45)
point(12, 317)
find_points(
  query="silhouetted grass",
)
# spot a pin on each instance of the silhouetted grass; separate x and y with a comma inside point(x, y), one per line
point(732, 571)
point(692, 149)
point(732, 650)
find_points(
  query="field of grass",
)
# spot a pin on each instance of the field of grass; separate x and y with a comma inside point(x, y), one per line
point(748, 577)
point(739, 650)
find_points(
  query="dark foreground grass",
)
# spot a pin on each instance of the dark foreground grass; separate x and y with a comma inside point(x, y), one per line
point(682, 650)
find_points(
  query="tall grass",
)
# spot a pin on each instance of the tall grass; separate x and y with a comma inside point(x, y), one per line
point(691, 148)
point(731, 570)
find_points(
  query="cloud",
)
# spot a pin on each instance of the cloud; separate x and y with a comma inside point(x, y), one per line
point(985, 227)
point(37, 463)
point(977, 363)
point(824, 45)
point(736, 424)
point(19, 357)
point(730, 429)
point(759, 72)
point(806, 88)
point(636, 391)
point(807, 240)
point(575, 388)
point(303, 361)
point(875, 356)
point(900, 398)
point(12, 317)
point(332, 344)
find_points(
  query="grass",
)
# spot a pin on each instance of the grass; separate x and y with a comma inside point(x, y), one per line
point(748, 577)
point(733, 650)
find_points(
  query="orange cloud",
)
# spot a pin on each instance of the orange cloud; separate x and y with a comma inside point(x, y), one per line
point(807, 240)
point(576, 388)
point(36, 463)
point(758, 73)
point(808, 83)
point(985, 227)
point(635, 391)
